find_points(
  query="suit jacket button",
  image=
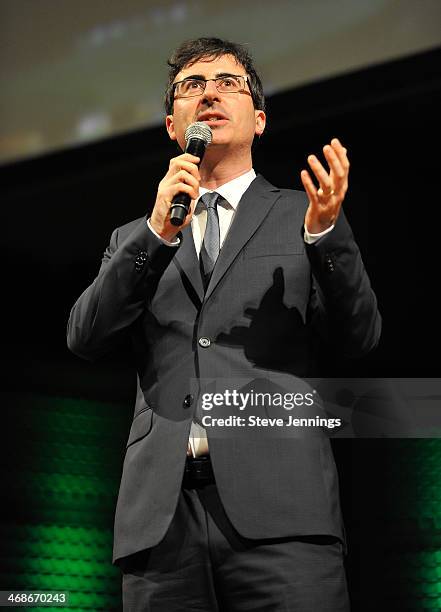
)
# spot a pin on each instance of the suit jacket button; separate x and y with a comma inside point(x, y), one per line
point(204, 342)
point(188, 400)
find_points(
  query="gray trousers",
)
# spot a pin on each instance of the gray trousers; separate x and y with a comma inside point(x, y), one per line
point(204, 565)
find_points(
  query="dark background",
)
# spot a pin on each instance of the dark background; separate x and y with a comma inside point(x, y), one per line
point(60, 210)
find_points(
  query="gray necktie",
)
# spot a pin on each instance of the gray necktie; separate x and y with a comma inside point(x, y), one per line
point(211, 243)
point(209, 252)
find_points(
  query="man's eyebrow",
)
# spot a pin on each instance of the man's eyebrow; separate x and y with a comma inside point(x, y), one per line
point(201, 77)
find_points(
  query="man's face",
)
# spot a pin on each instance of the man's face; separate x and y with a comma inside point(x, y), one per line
point(237, 122)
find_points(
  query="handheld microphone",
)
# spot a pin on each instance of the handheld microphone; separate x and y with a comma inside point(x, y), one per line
point(198, 136)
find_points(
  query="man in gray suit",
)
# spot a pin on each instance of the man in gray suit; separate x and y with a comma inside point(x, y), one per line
point(207, 521)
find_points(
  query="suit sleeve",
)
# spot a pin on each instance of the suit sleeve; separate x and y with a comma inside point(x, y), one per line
point(343, 305)
point(118, 295)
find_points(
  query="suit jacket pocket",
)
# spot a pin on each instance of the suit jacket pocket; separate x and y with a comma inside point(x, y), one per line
point(141, 426)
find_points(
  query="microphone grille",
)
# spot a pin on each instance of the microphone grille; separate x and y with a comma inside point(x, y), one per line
point(200, 130)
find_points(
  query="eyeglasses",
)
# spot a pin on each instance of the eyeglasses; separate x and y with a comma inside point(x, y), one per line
point(189, 88)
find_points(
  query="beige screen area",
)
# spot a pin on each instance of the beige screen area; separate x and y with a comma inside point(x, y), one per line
point(74, 71)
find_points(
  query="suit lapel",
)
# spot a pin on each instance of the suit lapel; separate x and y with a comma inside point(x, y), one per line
point(186, 260)
point(253, 207)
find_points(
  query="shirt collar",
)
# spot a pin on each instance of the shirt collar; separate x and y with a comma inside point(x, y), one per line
point(232, 191)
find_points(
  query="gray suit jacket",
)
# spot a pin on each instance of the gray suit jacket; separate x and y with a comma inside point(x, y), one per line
point(268, 298)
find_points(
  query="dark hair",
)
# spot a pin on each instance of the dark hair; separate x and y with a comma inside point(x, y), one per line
point(191, 51)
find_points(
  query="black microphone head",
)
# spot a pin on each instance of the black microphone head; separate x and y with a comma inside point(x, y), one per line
point(199, 130)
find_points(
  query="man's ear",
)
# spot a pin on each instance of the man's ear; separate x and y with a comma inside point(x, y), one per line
point(260, 122)
point(170, 126)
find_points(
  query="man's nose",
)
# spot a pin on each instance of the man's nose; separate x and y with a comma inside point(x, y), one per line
point(210, 92)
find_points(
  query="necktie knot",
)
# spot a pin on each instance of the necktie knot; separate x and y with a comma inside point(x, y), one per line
point(210, 199)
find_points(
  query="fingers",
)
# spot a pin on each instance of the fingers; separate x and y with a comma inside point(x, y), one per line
point(341, 153)
point(180, 188)
point(336, 156)
point(320, 173)
point(183, 173)
point(184, 178)
point(337, 171)
point(185, 162)
point(337, 178)
point(319, 216)
point(309, 186)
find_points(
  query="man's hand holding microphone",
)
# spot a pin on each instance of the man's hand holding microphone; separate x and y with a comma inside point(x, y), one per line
point(179, 189)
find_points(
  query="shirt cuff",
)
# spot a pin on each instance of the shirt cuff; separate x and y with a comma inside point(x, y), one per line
point(175, 242)
point(311, 238)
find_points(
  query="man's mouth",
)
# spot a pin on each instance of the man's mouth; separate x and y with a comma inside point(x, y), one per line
point(212, 118)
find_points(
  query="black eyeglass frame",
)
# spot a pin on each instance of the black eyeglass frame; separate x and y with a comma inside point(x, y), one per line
point(245, 77)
